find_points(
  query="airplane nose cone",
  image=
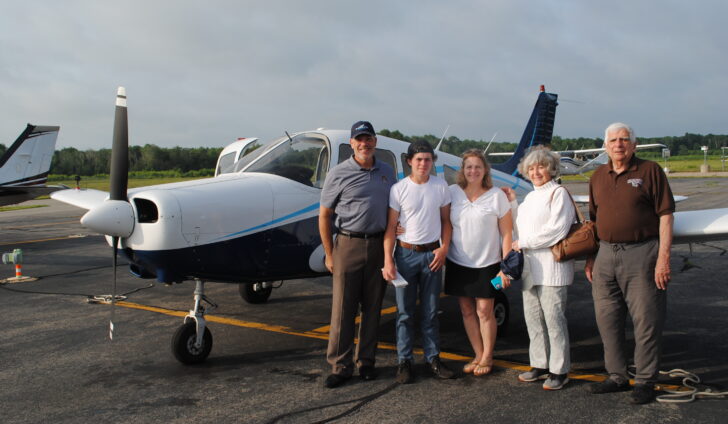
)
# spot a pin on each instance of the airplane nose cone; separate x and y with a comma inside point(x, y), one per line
point(113, 218)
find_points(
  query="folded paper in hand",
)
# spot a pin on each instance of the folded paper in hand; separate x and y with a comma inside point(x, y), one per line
point(399, 281)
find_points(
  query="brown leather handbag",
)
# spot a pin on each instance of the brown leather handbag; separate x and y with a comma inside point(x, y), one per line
point(580, 242)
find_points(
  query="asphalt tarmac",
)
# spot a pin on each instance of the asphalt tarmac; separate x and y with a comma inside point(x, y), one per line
point(267, 364)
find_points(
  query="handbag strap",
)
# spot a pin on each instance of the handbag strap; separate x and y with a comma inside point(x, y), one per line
point(578, 212)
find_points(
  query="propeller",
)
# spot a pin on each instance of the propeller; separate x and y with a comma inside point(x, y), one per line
point(115, 216)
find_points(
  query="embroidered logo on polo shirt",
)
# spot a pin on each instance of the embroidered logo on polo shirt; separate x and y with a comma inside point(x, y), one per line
point(636, 182)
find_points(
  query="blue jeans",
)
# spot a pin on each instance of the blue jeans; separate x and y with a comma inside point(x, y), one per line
point(414, 267)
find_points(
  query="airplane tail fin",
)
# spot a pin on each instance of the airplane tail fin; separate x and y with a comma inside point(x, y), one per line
point(27, 161)
point(539, 130)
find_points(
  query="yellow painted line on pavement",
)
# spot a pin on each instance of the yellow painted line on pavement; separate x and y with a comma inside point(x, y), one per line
point(49, 224)
point(42, 240)
point(385, 311)
point(381, 345)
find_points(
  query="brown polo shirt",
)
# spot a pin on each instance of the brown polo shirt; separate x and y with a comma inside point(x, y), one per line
point(627, 207)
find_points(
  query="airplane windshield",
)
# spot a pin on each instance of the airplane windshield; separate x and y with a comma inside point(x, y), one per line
point(305, 159)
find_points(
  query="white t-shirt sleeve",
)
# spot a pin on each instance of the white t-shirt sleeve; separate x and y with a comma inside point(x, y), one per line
point(502, 203)
point(394, 198)
point(446, 196)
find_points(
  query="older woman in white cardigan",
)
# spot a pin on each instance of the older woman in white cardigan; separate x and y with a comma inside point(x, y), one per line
point(543, 219)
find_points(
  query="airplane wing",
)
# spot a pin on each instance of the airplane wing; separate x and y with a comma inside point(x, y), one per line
point(700, 225)
point(601, 149)
point(86, 198)
point(583, 198)
point(10, 195)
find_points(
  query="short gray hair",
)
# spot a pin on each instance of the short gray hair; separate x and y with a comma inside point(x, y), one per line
point(540, 155)
point(620, 126)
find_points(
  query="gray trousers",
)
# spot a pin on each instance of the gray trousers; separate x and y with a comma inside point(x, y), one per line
point(624, 281)
point(544, 308)
point(357, 282)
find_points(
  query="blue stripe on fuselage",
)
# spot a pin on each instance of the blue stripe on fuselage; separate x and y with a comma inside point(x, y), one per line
point(309, 208)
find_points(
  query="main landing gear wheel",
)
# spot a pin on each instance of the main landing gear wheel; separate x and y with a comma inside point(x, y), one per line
point(255, 292)
point(183, 344)
point(501, 310)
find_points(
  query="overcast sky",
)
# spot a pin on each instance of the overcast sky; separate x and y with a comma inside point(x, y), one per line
point(204, 73)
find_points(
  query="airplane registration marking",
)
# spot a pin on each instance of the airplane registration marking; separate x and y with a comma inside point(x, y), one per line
point(381, 345)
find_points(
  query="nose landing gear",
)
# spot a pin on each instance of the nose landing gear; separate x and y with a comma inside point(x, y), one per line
point(192, 342)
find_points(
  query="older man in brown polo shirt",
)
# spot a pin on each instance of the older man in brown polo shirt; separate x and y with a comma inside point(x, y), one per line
point(631, 202)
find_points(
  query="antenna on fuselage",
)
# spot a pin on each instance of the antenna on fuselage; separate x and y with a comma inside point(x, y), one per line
point(485, 152)
point(442, 138)
point(289, 136)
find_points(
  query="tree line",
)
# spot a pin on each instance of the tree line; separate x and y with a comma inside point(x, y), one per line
point(688, 144)
point(200, 161)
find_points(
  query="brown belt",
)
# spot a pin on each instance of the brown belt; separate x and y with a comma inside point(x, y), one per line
point(429, 247)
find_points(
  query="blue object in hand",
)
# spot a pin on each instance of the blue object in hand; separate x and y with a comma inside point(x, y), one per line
point(497, 282)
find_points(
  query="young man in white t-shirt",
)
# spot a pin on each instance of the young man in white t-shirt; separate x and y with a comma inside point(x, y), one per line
point(421, 204)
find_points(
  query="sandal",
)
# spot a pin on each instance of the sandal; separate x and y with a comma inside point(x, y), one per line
point(469, 367)
point(482, 369)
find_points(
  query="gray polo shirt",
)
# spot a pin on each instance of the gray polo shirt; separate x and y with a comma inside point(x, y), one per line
point(359, 196)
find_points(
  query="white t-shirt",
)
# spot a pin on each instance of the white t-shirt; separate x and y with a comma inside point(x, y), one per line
point(476, 240)
point(419, 208)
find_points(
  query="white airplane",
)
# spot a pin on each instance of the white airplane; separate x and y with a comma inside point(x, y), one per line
point(25, 164)
point(254, 225)
point(259, 223)
point(573, 162)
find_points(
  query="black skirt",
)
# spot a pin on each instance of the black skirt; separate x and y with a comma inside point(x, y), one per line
point(470, 282)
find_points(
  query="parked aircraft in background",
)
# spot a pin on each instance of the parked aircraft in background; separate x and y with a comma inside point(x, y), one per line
point(578, 162)
point(251, 226)
point(25, 164)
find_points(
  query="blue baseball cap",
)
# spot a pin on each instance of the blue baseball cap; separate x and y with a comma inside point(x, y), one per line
point(362, 127)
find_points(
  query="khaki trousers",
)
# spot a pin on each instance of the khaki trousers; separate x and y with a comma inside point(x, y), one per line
point(624, 281)
point(357, 283)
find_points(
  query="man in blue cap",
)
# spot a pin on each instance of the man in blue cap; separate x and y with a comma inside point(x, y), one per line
point(357, 192)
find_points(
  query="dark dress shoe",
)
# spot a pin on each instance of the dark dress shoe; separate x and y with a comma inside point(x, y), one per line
point(367, 373)
point(335, 380)
point(642, 393)
point(440, 370)
point(404, 372)
point(608, 386)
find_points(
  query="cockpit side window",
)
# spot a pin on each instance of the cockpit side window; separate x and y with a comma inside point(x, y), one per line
point(303, 159)
point(384, 155)
point(225, 165)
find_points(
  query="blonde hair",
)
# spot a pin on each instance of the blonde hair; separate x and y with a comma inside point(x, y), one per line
point(475, 153)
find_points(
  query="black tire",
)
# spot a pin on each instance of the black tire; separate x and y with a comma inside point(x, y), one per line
point(502, 312)
point(183, 344)
point(250, 295)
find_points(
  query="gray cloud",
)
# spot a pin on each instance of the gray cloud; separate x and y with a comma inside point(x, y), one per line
point(202, 74)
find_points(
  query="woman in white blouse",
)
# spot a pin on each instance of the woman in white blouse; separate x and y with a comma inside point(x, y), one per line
point(543, 219)
point(481, 236)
